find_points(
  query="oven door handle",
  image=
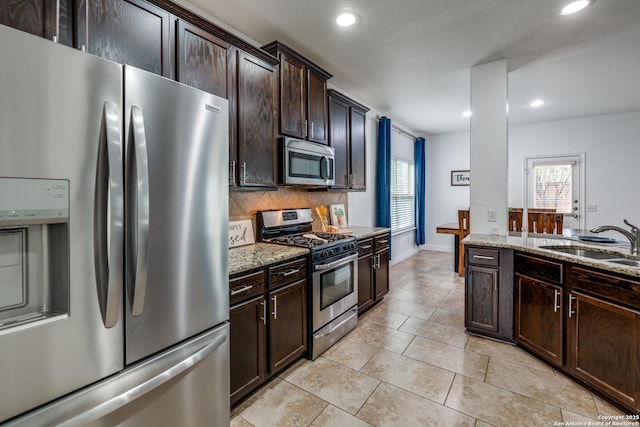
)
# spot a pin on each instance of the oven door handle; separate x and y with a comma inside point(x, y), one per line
point(337, 263)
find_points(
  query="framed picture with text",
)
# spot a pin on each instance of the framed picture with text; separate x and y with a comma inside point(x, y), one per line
point(460, 178)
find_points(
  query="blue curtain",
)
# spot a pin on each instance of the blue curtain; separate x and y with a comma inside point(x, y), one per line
point(383, 174)
point(420, 192)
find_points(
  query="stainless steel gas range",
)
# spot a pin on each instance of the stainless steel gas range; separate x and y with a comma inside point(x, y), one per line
point(333, 273)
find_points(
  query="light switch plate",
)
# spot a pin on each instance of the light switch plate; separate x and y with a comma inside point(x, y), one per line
point(492, 215)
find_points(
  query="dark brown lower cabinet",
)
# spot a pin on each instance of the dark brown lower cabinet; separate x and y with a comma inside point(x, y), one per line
point(373, 270)
point(248, 347)
point(482, 298)
point(268, 317)
point(605, 338)
point(539, 318)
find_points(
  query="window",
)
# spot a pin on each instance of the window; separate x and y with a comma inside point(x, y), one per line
point(556, 182)
point(402, 195)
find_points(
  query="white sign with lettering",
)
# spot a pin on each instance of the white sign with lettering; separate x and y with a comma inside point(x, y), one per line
point(240, 233)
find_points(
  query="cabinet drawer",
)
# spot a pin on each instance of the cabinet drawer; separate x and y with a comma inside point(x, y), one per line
point(538, 268)
point(381, 242)
point(365, 247)
point(612, 288)
point(245, 287)
point(490, 257)
point(287, 273)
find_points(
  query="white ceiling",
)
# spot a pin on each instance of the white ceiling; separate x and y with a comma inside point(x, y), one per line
point(410, 59)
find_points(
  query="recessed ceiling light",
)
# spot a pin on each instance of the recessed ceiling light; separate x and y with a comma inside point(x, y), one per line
point(346, 19)
point(467, 113)
point(574, 7)
point(536, 103)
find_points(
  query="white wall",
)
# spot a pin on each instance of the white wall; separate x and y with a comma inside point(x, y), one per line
point(444, 153)
point(612, 174)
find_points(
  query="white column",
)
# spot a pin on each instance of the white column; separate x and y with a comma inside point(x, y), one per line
point(488, 151)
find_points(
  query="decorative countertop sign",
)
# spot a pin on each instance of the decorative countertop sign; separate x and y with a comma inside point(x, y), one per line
point(240, 233)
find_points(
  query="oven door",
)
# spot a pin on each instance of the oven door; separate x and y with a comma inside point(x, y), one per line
point(335, 289)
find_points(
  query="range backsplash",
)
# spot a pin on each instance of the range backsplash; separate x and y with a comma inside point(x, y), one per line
point(245, 204)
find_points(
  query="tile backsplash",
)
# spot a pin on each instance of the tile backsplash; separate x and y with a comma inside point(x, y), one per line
point(245, 204)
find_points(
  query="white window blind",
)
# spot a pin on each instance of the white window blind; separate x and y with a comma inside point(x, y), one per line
point(554, 186)
point(402, 195)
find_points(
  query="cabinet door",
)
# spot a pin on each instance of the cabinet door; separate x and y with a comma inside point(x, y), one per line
point(539, 320)
point(357, 151)
point(339, 140)
point(40, 18)
point(247, 347)
point(203, 60)
point(257, 89)
point(481, 298)
point(365, 283)
point(130, 32)
point(287, 325)
point(606, 341)
point(292, 97)
point(316, 107)
point(382, 273)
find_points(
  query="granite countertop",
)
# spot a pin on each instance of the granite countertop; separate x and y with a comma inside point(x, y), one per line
point(534, 245)
point(365, 232)
point(245, 258)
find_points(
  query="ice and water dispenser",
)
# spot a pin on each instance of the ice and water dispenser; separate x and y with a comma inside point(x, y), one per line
point(34, 251)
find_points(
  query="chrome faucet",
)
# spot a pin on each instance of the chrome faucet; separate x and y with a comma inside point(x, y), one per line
point(633, 235)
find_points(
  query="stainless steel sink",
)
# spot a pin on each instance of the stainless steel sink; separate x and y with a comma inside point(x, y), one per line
point(585, 252)
point(624, 261)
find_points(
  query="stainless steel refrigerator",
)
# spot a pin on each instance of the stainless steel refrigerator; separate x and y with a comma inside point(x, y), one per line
point(113, 243)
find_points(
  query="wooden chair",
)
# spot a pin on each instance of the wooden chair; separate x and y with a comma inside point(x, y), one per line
point(463, 231)
point(545, 221)
point(515, 219)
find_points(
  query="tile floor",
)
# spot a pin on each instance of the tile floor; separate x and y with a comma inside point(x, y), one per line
point(410, 363)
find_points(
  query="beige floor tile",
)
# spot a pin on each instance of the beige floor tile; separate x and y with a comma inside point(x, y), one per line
point(407, 308)
point(435, 331)
point(480, 423)
point(504, 351)
point(498, 406)
point(568, 416)
point(332, 416)
point(449, 357)
point(537, 384)
point(408, 296)
point(351, 352)
point(382, 337)
point(409, 374)
point(384, 317)
point(343, 387)
point(605, 408)
point(392, 406)
point(238, 421)
point(446, 317)
point(283, 404)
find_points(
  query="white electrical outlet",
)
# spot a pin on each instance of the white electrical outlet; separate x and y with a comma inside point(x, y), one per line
point(492, 215)
point(592, 208)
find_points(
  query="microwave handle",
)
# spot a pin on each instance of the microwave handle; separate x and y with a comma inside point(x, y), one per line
point(324, 173)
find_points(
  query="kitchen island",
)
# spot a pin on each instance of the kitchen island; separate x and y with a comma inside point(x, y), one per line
point(572, 304)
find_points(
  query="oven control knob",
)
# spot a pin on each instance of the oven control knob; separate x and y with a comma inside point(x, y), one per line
point(352, 246)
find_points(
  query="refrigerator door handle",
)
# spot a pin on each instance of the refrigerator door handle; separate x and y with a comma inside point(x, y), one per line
point(108, 216)
point(138, 239)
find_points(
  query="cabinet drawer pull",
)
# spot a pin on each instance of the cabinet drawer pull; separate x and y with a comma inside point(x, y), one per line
point(290, 272)
point(490, 258)
point(365, 247)
point(556, 295)
point(383, 242)
point(571, 299)
point(241, 290)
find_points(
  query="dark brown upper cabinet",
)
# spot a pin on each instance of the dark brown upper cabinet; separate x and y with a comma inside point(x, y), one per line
point(253, 154)
point(303, 95)
point(45, 18)
point(132, 32)
point(347, 121)
point(203, 60)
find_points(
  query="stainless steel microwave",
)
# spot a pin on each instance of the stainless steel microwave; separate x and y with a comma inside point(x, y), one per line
point(305, 163)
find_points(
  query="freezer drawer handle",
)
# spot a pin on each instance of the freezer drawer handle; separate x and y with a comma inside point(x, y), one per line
point(108, 212)
point(128, 396)
point(138, 191)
